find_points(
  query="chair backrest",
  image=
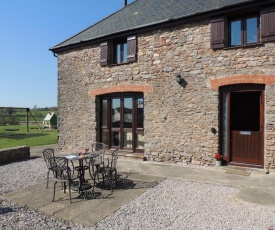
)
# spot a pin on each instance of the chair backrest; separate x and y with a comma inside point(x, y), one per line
point(113, 161)
point(99, 148)
point(60, 168)
point(47, 154)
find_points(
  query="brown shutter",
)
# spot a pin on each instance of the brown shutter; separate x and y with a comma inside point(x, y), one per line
point(218, 33)
point(104, 53)
point(268, 24)
point(131, 49)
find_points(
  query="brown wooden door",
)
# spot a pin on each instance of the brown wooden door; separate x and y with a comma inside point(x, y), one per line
point(246, 147)
point(242, 124)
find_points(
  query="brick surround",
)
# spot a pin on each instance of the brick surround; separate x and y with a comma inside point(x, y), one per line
point(242, 79)
point(121, 88)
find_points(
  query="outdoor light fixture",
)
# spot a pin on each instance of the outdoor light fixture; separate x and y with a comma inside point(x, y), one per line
point(213, 130)
point(178, 78)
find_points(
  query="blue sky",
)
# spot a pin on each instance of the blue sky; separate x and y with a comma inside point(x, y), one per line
point(28, 28)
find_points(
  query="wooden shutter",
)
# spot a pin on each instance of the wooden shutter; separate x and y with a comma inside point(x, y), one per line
point(104, 53)
point(268, 24)
point(218, 33)
point(131, 49)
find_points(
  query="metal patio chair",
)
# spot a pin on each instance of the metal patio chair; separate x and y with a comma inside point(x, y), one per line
point(96, 162)
point(109, 170)
point(62, 174)
point(47, 154)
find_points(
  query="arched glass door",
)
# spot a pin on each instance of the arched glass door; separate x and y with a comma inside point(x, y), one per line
point(121, 121)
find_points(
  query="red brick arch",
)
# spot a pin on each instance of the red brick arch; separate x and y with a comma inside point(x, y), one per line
point(121, 88)
point(243, 79)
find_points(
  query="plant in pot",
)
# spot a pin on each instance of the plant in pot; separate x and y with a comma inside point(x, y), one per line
point(218, 158)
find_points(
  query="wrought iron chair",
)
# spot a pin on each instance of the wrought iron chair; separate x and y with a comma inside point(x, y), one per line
point(47, 154)
point(109, 170)
point(62, 174)
point(97, 162)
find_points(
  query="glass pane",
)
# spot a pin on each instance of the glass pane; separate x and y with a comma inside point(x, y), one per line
point(236, 30)
point(140, 112)
point(251, 30)
point(104, 113)
point(116, 113)
point(125, 52)
point(118, 48)
point(128, 138)
point(224, 124)
point(116, 138)
point(128, 112)
point(140, 141)
point(104, 138)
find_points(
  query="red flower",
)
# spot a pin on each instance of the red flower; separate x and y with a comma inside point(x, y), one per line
point(218, 156)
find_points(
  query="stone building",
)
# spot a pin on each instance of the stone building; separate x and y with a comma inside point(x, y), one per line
point(173, 81)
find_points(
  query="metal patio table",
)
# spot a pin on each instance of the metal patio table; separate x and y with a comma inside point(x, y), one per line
point(83, 184)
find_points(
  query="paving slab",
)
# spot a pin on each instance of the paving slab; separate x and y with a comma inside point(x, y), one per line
point(261, 196)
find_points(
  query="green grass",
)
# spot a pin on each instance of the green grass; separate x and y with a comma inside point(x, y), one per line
point(13, 137)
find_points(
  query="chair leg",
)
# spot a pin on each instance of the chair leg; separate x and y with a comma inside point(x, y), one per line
point(111, 180)
point(70, 192)
point(48, 174)
point(64, 186)
point(116, 176)
point(73, 166)
point(54, 190)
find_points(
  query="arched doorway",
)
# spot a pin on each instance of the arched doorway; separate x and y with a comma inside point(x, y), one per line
point(242, 124)
point(121, 121)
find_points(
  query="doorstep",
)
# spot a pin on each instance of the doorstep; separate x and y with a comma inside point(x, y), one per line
point(129, 156)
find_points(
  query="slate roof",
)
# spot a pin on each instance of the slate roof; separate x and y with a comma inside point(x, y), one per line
point(142, 13)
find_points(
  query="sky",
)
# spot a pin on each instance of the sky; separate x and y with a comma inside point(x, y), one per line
point(28, 29)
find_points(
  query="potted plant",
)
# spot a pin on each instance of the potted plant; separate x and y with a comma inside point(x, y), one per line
point(218, 158)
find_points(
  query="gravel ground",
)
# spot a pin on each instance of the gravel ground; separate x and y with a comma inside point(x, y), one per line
point(172, 204)
point(181, 204)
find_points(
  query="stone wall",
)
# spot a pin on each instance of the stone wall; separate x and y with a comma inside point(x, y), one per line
point(14, 154)
point(178, 118)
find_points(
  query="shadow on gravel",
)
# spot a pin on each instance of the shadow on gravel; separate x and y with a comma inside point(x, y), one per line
point(6, 210)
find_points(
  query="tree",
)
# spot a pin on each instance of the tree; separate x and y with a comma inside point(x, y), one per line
point(9, 110)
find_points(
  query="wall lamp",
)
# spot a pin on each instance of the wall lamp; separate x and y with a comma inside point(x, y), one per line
point(180, 80)
point(213, 130)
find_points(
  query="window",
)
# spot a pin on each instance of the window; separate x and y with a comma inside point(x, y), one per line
point(121, 121)
point(244, 31)
point(118, 52)
point(229, 32)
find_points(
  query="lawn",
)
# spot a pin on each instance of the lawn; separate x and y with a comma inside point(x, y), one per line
point(17, 135)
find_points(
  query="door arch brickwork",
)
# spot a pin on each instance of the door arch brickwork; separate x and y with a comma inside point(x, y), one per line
point(243, 79)
point(121, 88)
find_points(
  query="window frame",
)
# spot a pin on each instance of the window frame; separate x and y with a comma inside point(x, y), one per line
point(122, 59)
point(243, 20)
point(108, 51)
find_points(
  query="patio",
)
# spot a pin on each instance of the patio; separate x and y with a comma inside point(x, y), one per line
point(159, 195)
